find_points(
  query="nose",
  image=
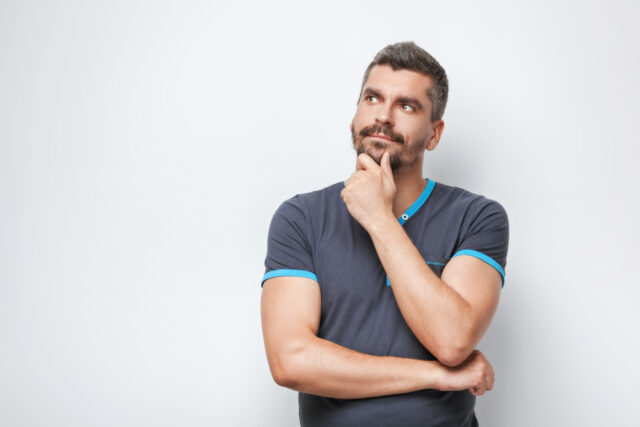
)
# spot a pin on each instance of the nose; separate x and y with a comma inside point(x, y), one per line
point(384, 116)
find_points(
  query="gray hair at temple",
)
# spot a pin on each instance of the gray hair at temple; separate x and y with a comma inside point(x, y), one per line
point(409, 56)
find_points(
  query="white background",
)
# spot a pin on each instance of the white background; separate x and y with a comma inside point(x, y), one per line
point(146, 145)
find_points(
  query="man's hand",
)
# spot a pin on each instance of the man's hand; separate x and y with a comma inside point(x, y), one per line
point(475, 374)
point(370, 191)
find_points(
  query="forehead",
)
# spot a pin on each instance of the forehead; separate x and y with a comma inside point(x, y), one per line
point(395, 83)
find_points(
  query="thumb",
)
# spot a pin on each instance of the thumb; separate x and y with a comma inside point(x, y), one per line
point(385, 165)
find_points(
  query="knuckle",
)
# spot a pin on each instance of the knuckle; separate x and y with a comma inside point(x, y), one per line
point(479, 380)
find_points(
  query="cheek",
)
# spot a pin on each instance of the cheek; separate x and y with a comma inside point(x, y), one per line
point(363, 117)
point(419, 136)
point(357, 127)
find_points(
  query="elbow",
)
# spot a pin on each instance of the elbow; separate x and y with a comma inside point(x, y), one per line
point(281, 377)
point(285, 365)
point(278, 371)
point(452, 359)
point(456, 348)
point(454, 355)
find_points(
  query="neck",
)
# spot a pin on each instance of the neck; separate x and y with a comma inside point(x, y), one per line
point(409, 185)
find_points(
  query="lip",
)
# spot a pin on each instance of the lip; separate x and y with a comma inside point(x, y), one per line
point(381, 137)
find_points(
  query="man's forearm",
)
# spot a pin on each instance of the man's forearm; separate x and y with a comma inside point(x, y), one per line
point(324, 368)
point(437, 315)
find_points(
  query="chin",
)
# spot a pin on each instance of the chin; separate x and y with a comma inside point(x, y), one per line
point(376, 156)
point(374, 152)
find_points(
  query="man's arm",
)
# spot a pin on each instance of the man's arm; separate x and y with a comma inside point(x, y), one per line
point(300, 360)
point(448, 315)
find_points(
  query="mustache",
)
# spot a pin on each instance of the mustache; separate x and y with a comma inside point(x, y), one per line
point(384, 130)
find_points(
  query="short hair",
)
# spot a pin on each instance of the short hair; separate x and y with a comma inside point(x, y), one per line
point(409, 56)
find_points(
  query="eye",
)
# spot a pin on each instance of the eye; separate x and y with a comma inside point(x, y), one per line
point(410, 108)
point(370, 97)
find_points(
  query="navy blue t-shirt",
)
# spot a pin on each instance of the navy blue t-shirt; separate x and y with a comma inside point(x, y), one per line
point(313, 235)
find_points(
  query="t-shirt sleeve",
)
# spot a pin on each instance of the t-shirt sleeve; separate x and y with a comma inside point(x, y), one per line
point(289, 243)
point(487, 237)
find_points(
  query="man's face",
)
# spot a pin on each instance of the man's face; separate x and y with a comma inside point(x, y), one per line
point(393, 115)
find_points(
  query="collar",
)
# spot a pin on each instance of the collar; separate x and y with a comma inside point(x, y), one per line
point(415, 206)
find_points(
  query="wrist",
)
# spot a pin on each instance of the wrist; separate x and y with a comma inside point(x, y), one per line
point(435, 375)
point(382, 224)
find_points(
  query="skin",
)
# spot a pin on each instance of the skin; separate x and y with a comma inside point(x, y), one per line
point(448, 315)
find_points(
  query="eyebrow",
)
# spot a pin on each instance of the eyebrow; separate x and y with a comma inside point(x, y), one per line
point(402, 99)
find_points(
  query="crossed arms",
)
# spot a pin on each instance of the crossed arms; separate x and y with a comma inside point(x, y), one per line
point(448, 315)
point(302, 361)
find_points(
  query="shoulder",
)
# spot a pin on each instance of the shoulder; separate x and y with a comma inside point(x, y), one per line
point(461, 201)
point(312, 201)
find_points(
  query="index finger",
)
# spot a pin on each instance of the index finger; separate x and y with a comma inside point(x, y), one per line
point(365, 162)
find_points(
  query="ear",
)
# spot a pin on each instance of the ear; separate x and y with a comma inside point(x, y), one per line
point(438, 127)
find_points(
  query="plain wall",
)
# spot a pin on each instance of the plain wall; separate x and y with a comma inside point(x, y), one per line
point(144, 147)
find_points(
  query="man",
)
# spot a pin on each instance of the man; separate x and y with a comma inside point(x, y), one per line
point(378, 288)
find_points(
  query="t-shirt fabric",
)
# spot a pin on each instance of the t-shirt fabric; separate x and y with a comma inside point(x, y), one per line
point(313, 235)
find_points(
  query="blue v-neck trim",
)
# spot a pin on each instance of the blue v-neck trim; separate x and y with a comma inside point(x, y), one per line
point(415, 206)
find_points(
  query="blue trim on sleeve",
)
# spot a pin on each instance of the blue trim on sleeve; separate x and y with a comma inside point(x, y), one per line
point(419, 202)
point(483, 257)
point(289, 272)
